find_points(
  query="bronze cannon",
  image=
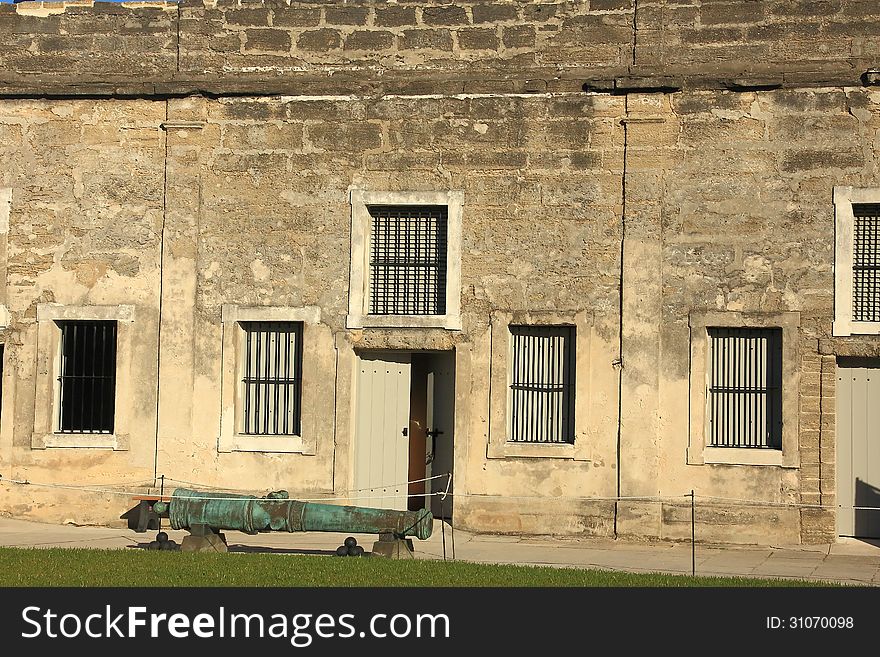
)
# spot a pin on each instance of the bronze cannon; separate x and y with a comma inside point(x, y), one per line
point(206, 514)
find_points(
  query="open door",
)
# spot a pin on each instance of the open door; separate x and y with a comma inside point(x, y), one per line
point(404, 430)
point(440, 380)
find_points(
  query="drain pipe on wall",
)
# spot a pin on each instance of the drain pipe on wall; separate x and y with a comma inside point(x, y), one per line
point(161, 293)
point(618, 362)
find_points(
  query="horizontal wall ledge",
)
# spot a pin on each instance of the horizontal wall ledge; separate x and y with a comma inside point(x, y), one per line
point(867, 346)
point(447, 82)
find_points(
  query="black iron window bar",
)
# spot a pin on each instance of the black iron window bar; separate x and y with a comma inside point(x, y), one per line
point(866, 263)
point(745, 390)
point(88, 376)
point(542, 388)
point(272, 382)
point(408, 260)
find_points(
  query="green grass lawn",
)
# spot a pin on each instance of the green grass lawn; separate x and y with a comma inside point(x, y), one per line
point(84, 567)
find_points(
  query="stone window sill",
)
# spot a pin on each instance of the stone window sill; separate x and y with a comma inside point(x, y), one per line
point(533, 451)
point(269, 444)
point(80, 440)
point(449, 322)
point(740, 456)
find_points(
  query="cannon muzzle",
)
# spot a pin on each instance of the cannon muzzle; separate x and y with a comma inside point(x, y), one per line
point(275, 512)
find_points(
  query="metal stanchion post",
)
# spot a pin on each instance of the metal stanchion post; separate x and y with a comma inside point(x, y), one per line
point(693, 536)
point(443, 524)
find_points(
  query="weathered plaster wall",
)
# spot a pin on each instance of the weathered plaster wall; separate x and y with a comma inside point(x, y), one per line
point(748, 225)
point(276, 227)
point(431, 46)
point(219, 142)
point(85, 219)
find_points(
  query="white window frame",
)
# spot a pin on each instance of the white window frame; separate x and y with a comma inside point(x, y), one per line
point(47, 393)
point(844, 228)
point(499, 398)
point(316, 388)
point(699, 450)
point(359, 274)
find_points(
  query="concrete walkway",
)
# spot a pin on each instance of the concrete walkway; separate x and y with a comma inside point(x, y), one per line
point(848, 561)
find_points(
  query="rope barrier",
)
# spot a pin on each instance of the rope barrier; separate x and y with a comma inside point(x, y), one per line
point(89, 489)
point(350, 490)
point(444, 494)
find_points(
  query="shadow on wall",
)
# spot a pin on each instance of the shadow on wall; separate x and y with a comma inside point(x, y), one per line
point(867, 513)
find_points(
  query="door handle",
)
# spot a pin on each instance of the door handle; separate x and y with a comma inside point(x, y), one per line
point(433, 436)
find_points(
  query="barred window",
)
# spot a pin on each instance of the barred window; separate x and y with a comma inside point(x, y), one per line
point(542, 378)
point(745, 387)
point(408, 260)
point(272, 381)
point(87, 383)
point(866, 262)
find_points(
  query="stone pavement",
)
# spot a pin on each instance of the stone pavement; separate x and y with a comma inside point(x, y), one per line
point(848, 561)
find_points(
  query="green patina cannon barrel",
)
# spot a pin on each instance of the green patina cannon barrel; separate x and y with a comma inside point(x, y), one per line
point(275, 512)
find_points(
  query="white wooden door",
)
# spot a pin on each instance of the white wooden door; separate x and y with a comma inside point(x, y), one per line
point(441, 427)
point(858, 447)
point(381, 433)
